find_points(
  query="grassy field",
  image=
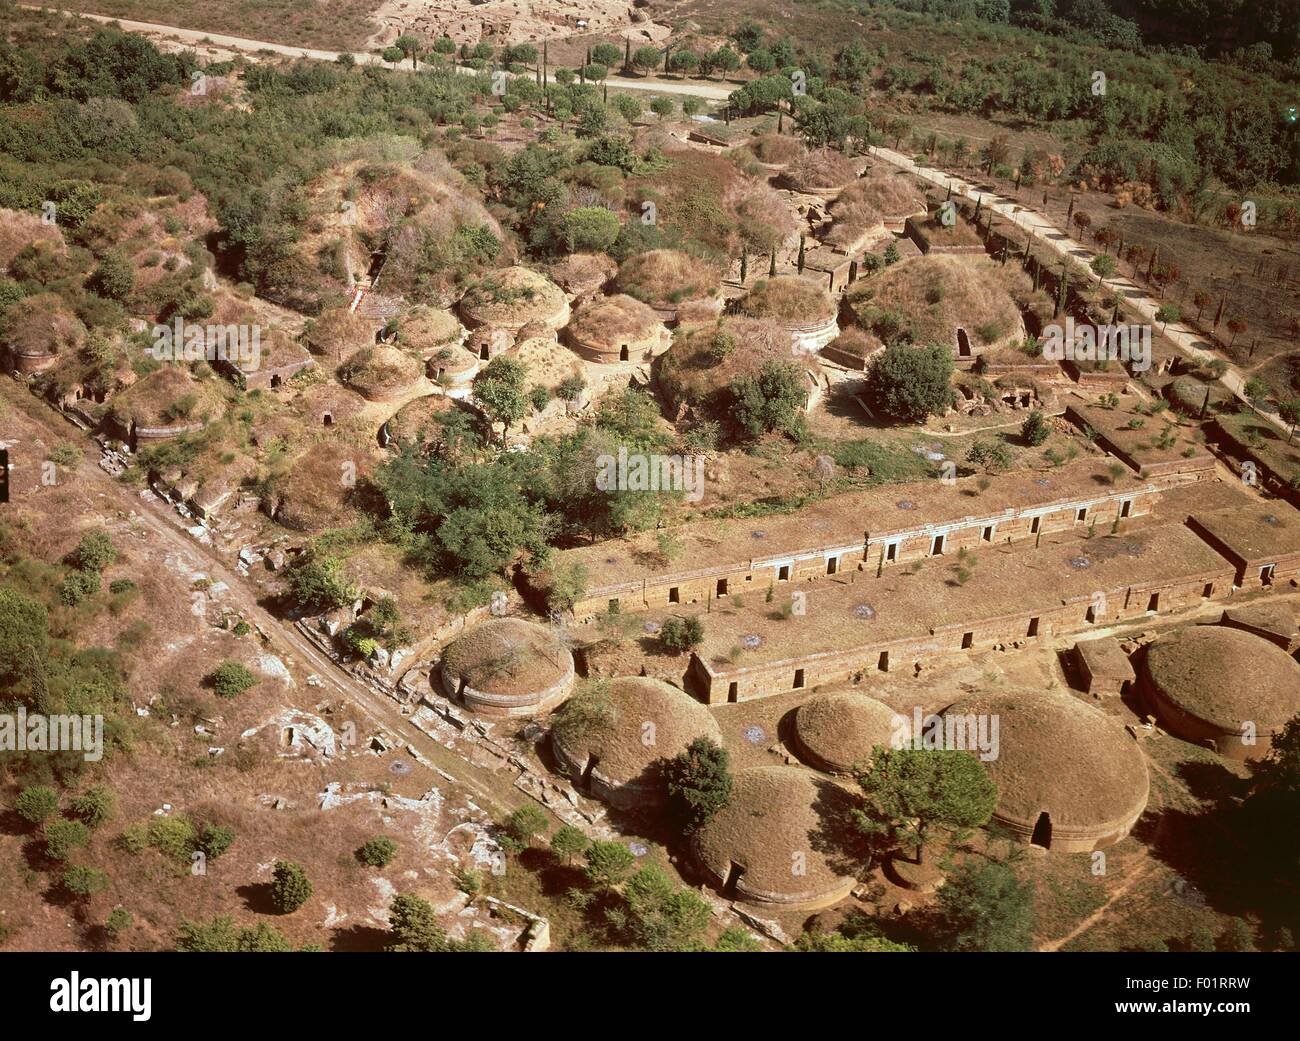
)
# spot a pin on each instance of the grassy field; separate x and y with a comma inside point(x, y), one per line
point(326, 24)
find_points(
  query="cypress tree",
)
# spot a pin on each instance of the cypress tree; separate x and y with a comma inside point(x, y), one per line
point(802, 239)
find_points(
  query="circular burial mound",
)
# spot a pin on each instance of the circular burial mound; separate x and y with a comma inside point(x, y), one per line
point(426, 330)
point(513, 297)
point(948, 301)
point(379, 373)
point(617, 328)
point(835, 731)
point(615, 735)
point(169, 398)
point(507, 666)
point(790, 301)
point(1225, 688)
point(39, 330)
point(311, 497)
point(666, 278)
point(820, 171)
point(784, 838)
point(581, 273)
point(703, 361)
point(1069, 777)
point(337, 333)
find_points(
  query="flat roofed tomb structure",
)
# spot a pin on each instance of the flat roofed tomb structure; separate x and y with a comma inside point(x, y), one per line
point(848, 626)
point(613, 738)
point(780, 840)
point(507, 666)
point(1261, 538)
point(1069, 778)
point(836, 730)
point(1103, 666)
point(1223, 688)
point(867, 531)
point(1272, 620)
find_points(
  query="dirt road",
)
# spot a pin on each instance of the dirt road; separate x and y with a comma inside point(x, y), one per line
point(163, 522)
point(196, 37)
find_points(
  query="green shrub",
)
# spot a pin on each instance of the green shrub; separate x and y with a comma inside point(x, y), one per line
point(231, 679)
point(62, 836)
point(215, 839)
point(290, 887)
point(37, 803)
point(377, 852)
point(94, 806)
point(172, 836)
point(83, 881)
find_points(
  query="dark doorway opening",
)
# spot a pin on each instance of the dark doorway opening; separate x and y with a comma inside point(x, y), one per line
point(963, 344)
point(733, 880)
point(798, 679)
point(1043, 831)
point(733, 692)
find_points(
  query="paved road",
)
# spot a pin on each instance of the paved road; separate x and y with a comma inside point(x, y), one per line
point(1046, 232)
point(709, 91)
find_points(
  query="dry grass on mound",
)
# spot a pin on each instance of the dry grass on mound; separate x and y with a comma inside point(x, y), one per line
point(319, 489)
point(819, 170)
point(779, 815)
point(512, 297)
point(776, 149)
point(869, 202)
point(377, 371)
point(608, 321)
point(170, 396)
point(1060, 755)
point(666, 277)
point(930, 297)
point(1226, 676)
point(508, 656)
point(608, 721)
point(425, 329)
point(704, 360)
point(19, 229)
point(581, 273)
point(337, 333)
point(42, 325)
point(788, 298)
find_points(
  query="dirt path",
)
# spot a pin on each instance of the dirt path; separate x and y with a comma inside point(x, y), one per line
point(1137, 875)
point(163, 522)
point(711, 92)
point(1043, 230)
